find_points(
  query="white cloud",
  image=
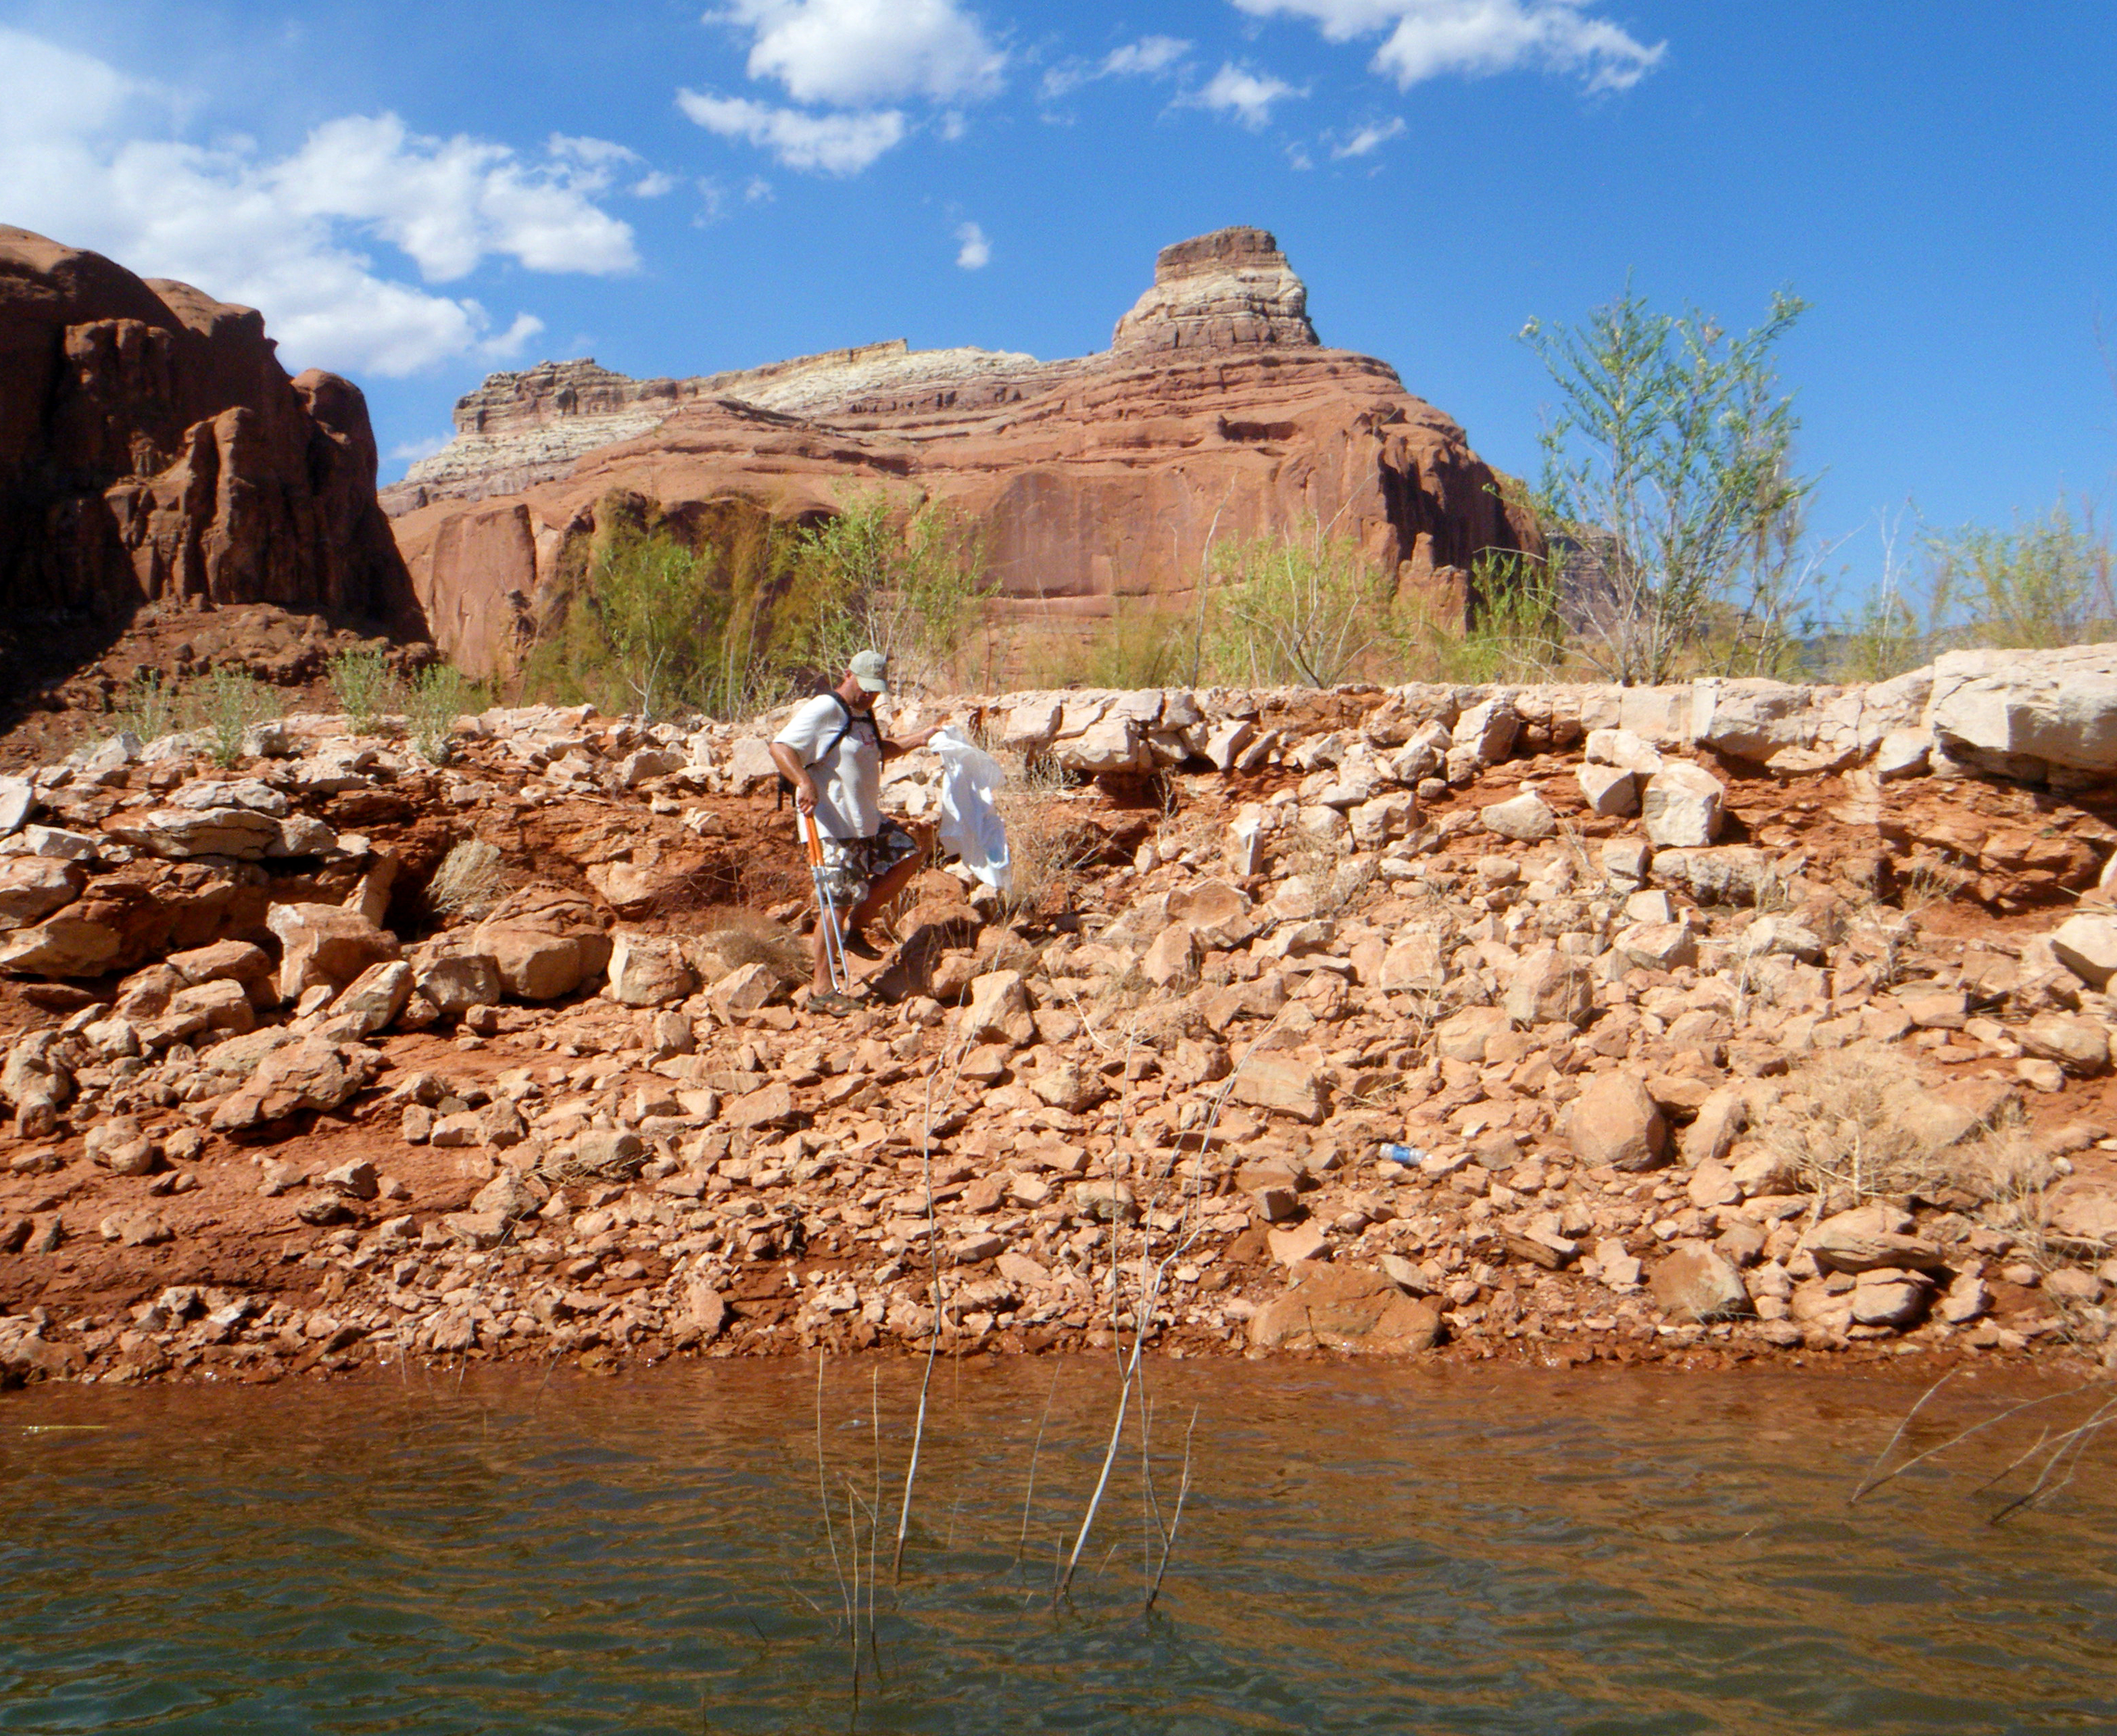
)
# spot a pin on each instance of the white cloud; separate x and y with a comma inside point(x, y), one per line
point(837, 144)
point(1429, 38)
point(89, 155)
point(757, 190)
point(655, 184)
point(1152, 56)
point(1144, 58)
point(450, 202)
point(510, 342)
point(857, 53)
point(1247, 96)
point(410, 451)
point(976, 252)
point(1370, 138)
point(595, 153)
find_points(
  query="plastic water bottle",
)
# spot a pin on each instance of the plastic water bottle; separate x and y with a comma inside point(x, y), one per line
point(1409, 1155)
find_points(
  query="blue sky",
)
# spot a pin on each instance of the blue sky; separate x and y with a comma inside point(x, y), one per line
point(416, 194)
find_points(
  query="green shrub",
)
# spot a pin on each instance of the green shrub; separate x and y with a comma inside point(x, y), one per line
point(149, 706)
point(1137, 645)
point(2049, 580)
point(660, 617)
point(1304, 609)
point(225, 703)
point(911, 586)
point(2046, 582)
point(439, 693)
point(365, 687)
point(1514, 631)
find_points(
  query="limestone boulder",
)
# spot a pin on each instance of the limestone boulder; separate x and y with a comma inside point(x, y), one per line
point(373, 1000)
point(181, 833)
point(2080, 1046)
point(1610, 792)
point(533, 963)
point(648, 971)
point(2086, 945)
point(1622, 749)
point(1890, 1297)
point(1656, 946)
point(74, 942)
point(1217, 913)
point(225, 961)
point(745, 989)
point(18, 801)
point(221, 1005)
point(455, 981)
point(317, 1073)
point(1463, 1036)
point(1869, 1238)
point(1172, 961)
point(1682, 806)
point(1283, 1083)
point(1484, 734)
point(2057, 707)
point(545, 941)
point(1729, 873)
point(1526, 819)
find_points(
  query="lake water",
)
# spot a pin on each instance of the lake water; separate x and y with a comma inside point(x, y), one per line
point(1363, 1548)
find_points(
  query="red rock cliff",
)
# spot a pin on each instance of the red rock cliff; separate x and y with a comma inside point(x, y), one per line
point(154, 450)
point(1215, 413)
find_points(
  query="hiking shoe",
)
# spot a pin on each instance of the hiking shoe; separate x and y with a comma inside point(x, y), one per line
point(858, 945)
point(830, 1001)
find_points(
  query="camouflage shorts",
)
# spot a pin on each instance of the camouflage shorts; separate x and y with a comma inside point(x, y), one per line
point(852, 865)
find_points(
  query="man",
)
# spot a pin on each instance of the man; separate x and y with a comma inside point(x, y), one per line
point(867, 859)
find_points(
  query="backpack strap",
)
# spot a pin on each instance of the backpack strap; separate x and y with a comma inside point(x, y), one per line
point(845, 729)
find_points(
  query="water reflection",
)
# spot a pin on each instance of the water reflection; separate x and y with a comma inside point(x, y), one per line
point(1365, 1548)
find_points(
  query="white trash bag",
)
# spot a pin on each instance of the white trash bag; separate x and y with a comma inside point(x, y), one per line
point(970, 825)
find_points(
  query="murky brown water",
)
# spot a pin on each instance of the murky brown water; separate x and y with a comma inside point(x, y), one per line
point(1364, 1549)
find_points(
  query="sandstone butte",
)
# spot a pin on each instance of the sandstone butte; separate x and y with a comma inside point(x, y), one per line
point(1216, 412)
point(155, 456)
point(1726, 1021)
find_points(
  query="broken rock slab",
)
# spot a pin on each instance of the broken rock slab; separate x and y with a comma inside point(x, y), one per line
point(325, 944)
point(1347, 1307)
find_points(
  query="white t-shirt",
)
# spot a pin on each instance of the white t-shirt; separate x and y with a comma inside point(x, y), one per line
point(848, 781)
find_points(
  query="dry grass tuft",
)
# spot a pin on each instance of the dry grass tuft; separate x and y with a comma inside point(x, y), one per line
point(1860, 1124)
point(1337, 883)
point(468, 882)
point(748, 937)
point(1048, 845)
point(1932, 881)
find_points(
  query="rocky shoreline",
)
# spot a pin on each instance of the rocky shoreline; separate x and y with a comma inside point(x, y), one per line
point(1727, 1022)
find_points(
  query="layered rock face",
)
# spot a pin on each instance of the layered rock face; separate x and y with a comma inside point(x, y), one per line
point(154, 450)
point(1228, 290)
point(1216, 414)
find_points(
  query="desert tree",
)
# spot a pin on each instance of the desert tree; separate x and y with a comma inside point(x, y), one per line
point(1670, 453)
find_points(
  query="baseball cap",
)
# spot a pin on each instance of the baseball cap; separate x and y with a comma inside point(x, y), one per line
point(871, 670)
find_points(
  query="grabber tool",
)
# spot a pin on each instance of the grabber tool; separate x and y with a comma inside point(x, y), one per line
point(826, 909)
